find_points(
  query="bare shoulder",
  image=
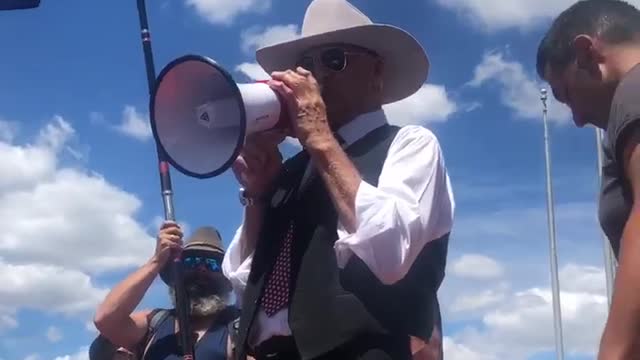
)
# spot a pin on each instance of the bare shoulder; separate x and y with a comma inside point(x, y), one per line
point(142, 318)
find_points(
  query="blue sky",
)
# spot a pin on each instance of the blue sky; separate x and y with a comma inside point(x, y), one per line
point(80, 193)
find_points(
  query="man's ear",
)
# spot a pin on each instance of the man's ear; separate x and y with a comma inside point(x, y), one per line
point(379, 67)
point(588, 55)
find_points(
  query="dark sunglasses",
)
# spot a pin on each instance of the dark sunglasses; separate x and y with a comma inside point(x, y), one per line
point(334, 59)
point(193, 262)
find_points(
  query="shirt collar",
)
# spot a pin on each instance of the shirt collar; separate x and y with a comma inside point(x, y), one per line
point(361, 126)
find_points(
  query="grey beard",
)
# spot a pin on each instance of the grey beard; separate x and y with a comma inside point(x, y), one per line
point(202, 306)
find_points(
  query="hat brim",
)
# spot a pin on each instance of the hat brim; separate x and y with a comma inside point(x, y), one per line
point(203, 247)
point(406, 64)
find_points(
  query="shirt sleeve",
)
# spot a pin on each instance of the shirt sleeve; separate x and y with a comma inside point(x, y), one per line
point(412, 205)
point(625, 112)
point(236, 270)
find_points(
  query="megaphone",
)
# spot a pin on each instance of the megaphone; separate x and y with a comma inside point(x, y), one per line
point(200, 117)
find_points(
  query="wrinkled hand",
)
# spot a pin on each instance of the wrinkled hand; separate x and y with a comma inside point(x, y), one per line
point(169, 242)
point(308, 113)
point(259, 162)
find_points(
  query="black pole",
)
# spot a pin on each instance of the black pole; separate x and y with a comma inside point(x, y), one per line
point(182, 309)
point(18, 4)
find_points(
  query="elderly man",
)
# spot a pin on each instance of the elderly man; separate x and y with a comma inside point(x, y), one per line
point(591, 59)
point(152, 334)
point(342, 247)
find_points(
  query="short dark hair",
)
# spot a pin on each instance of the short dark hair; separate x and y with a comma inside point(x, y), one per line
point(613, 21)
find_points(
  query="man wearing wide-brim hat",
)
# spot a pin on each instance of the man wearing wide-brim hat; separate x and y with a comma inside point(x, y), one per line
point(154, 334)
point(342, 247)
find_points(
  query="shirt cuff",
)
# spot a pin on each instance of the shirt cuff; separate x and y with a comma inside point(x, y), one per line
point(378, 218)
point(233, 268)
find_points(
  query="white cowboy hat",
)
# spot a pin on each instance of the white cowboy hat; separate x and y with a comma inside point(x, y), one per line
point(406, 64)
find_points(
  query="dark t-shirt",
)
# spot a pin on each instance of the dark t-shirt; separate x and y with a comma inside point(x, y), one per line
point(615, 194)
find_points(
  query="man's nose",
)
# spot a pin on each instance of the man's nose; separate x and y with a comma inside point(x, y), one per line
point(201, 268)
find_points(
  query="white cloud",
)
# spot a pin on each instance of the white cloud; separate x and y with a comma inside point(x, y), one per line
point(473, 302)
point(589, 279)
point(25, 165)
point(135, 124)
point(510, 316)
point(7, 130)
point(224, 12)
point(54, 334)
point(475, 266)
point(518, 324)
point(48, 288)
point(55, 134)
point(430, 103)
point(81, 354)
point(73, 210)
point(257, 37)
point(253, 71)
point(518, 89)
point(32, 357)
point(455, 351)
point(500, 15)
point(61, 225)
point(7, 320)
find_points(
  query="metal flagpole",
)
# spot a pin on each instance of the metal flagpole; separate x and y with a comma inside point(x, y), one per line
point(609, 259)
point(182, 305)
point(557, 315)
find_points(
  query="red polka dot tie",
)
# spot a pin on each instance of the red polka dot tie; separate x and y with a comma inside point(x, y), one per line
point(276, 294)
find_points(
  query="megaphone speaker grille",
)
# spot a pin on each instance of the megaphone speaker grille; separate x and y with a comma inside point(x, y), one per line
point(198, 116)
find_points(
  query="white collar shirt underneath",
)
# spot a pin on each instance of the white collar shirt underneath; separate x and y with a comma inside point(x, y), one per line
point(412, 204)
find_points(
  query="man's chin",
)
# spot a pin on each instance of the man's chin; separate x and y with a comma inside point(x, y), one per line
point(207, 306)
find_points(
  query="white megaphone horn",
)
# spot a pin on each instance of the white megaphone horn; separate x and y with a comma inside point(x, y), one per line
point(200, 116)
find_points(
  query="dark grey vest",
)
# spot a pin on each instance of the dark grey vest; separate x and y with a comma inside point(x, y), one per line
point(329, 306)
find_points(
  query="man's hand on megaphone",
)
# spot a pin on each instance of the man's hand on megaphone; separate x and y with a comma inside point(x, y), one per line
point(308, 112)
point(259, 162)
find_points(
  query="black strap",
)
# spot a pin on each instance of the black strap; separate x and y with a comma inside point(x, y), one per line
point(233, 329)
point(156, 317)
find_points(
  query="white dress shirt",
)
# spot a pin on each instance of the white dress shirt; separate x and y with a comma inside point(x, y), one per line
point(412, 205)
